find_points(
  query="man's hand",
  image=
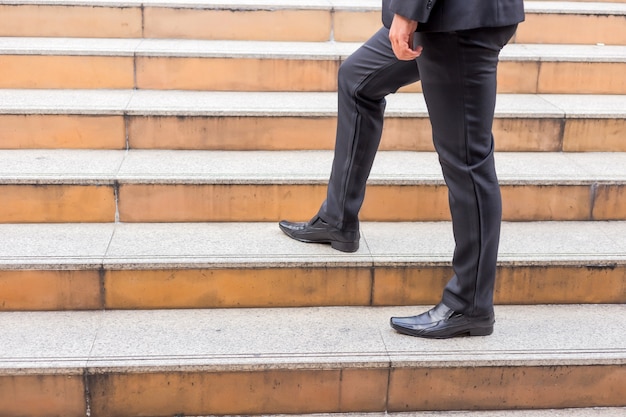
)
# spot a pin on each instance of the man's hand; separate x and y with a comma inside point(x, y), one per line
point(401, 37)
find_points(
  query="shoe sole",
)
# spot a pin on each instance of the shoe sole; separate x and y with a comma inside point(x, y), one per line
point(335, 244)
point(475, 331)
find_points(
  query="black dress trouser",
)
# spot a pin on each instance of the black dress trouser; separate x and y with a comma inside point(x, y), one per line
point(458, 75)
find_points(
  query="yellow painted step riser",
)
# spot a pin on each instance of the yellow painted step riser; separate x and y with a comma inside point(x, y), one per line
point(537, 28)
point(295, 133)
point(278, 25)
point(289, 133)
point(185, 203)
point(313, 390)
point(37, 71)
point(37, 131)
point(70, 21)
point(34, 290)
point(227, 74)
point(503, 387)
point(154, 22)
point(165, 203)
point(557, 28)
point(57, 203)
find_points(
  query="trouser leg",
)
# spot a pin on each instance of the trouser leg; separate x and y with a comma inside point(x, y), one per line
point(365, 78)
point(458, 72)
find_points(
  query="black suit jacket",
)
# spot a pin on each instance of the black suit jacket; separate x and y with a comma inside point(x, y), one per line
point(452, 15)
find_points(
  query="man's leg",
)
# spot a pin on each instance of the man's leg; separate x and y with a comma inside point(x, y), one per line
point(459, 82)
point(365, 78)
point(458, 73)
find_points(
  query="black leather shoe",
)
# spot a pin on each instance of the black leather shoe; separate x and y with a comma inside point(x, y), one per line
point(442, 322)
point(318, 231)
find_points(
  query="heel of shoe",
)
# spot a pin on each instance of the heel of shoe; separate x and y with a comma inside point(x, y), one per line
point(481, 331)
point(345, 246)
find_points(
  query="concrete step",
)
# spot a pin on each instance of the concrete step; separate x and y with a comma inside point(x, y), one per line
point(230, 265)
point(307, 360)
point(152, 119)
point(274, 66)
point(566, 412)
point(596, 23)
point(279, 20)
point(183, 186)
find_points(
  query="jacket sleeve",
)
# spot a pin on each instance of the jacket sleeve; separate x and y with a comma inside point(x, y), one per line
point(418, 10)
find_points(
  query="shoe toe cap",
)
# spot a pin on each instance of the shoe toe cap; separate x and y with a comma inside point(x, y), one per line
point(287, 225)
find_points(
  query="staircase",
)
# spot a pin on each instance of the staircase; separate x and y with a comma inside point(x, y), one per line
point(148, 149)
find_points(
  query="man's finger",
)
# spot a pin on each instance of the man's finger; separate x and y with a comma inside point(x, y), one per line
point(403, 50)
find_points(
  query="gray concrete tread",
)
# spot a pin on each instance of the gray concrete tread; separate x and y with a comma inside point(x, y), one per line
point(564, 412)
point(206, 4)
point(289, 167)
point(280, 104)
point(562, 7)
point(300, 338)
point(275, 50)
point(141, 246)
point(565, 7)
